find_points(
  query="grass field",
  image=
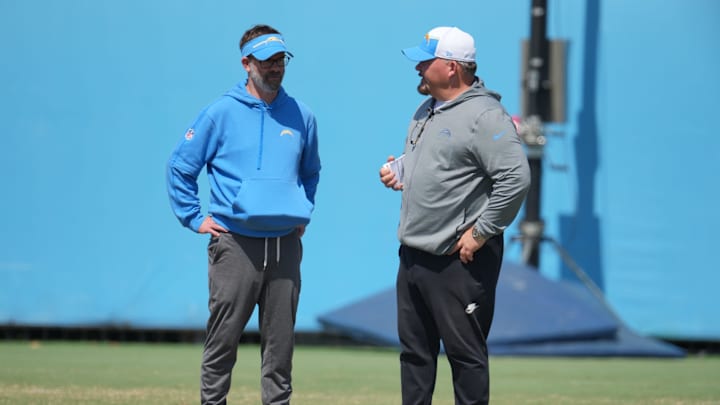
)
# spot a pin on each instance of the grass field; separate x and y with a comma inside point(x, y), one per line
point(59, 373)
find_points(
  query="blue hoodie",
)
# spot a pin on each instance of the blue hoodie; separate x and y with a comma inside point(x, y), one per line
point(262, 163)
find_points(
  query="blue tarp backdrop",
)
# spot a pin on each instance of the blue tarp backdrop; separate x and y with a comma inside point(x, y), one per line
point(95, 94)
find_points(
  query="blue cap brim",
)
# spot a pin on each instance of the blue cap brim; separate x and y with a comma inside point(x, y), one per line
point(269, 51)
point(265, 46)
point(417, 54)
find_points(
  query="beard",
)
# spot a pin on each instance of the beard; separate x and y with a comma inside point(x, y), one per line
point(269, 82)
point(423, 88)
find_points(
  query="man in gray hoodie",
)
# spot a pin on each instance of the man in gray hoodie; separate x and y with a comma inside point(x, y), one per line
point(464, 176)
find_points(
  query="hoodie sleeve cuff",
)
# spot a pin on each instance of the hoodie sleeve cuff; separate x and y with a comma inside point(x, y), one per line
point(196, 222)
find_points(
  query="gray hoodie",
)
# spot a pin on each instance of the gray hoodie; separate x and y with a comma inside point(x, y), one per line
point(464, 165)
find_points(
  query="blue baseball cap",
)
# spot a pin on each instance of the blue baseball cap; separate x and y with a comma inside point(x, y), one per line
point(265, 46)
point(443, 42)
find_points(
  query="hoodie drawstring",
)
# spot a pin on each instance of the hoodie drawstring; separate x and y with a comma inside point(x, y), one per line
point(265, 257)
point(277, 252)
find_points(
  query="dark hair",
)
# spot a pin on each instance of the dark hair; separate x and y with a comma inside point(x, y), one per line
point(255, 32)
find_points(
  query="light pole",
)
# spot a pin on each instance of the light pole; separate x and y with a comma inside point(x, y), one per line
point(537, 90)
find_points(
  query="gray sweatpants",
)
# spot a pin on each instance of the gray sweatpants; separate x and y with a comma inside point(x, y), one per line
point(244, 272)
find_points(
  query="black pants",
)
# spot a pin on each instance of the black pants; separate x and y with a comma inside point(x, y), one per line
point(440, 298)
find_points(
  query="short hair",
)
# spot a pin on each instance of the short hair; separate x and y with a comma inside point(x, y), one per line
point(468, 67)
point(256, 31)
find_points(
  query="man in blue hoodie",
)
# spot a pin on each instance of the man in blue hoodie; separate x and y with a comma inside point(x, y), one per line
point(260, 149)
point(465, 177)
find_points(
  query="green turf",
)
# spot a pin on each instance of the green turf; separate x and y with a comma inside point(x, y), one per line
point(126, 373)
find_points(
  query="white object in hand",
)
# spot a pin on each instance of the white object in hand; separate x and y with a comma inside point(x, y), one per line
point(396, 166)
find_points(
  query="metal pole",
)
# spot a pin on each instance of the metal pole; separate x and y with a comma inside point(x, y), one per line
point(538, 108)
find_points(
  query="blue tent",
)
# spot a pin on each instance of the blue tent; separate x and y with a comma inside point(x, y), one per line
point(533, 316)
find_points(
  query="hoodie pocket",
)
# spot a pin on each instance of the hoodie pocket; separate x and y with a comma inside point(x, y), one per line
point(272, 204)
